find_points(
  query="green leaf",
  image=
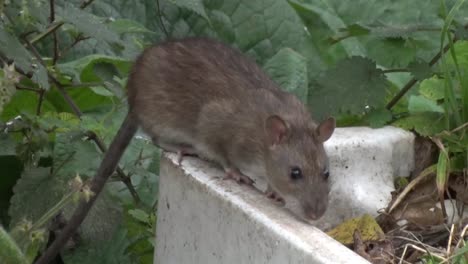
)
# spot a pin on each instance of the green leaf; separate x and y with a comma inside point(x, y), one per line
point(392, 52)
point(422, 104)
point(426, 123)
point(193, 5)
point(34, 183)
point(15, 51)
point(442, 171)
point(328, 15)
point(420, 70)
point(88, 24)
point(101, 251)
point(10, 253)
point(379, 117)
point(139, 215)
point(432, 88)
point(121, 26)
point(351, 86)
point(289, 70)
point(353, 30)
point(83, 69)
point(74, 154)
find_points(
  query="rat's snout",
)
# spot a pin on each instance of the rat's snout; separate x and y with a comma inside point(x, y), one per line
point(315, 207)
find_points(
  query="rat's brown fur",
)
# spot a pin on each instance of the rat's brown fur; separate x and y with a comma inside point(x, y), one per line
point(203, 97)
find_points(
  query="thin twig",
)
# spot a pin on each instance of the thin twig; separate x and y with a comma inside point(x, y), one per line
point(121, 174)
point(449, 243)
point(413, 81)
point(395, 70)
point(40, 101)
point(161, 20)
point(77, 39)
point(51, 29)
point(54, 34)
point(81, 85)
point(22, 87)
point(411, 185)
point(86, 3)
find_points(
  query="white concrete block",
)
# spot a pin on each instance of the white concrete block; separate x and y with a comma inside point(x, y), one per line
point(204, 219)
point(363, 165)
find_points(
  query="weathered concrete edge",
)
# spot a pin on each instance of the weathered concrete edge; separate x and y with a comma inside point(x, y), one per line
point(260, 210)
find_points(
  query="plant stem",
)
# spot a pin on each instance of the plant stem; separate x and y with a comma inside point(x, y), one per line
point(413, 81)
point(395, 70)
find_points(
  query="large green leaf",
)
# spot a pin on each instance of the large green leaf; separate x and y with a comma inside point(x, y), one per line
point(426, 123)
point(193, 5)
point(350, 87)
point(34, 194)
point(111, 251)
point(328, 15)
point(432, 88)
point(289, 69)
point(73, 154)
point(422, 104)
point(12, 48)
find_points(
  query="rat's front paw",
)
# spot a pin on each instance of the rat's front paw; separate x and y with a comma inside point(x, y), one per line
point(238, 176)
point(270, 193)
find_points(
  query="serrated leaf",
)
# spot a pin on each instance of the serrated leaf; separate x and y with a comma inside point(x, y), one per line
point(88, 24)
point(193, 5)
point(392, 52)
point(289, 70)
point(426, 123)
point(422, 104)
point(351, 86)
point(379, 117)
point(432, 88)
point(332, 20)
point(34, 183)
point(73, 154)
point(420, 70)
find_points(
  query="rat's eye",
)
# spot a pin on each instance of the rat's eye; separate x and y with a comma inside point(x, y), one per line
point(295, 173)
point(326, 173)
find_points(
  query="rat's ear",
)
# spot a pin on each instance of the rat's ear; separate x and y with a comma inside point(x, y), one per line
point(276, 129)
point(325, 129)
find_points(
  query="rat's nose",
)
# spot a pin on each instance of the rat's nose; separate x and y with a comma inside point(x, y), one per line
point(314, 212)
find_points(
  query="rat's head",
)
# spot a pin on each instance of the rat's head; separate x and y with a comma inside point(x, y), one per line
point(297, 165)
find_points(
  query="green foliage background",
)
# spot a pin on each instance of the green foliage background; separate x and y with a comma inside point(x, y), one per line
point(342, 58)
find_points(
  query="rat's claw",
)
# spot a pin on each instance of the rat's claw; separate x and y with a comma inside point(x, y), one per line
point(238, 176)
point(180, 156)
point(271, 194)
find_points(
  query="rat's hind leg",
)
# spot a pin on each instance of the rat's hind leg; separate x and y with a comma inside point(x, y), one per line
point(180, 148)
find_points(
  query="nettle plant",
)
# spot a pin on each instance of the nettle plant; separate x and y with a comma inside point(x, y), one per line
point(62, 96)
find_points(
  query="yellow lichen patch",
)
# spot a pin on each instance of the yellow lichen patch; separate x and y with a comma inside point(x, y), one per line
point(366, 224)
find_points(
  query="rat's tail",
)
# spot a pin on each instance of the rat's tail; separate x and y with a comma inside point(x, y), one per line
point(108, 165)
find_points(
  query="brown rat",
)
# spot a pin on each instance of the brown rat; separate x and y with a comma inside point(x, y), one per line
point(201, 97)
point(198, 96)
